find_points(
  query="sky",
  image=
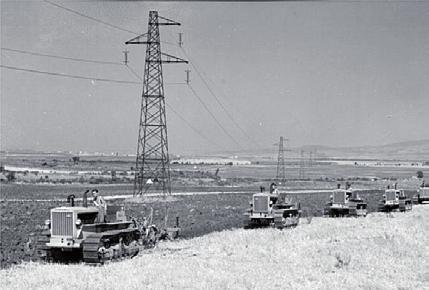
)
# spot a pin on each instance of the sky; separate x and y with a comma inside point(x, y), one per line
point(318, 73)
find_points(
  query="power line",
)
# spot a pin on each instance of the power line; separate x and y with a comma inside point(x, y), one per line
point(134, 72)
point(214, 117)
point(133, 32)
point(192, 127)
point(75, 59)
point(114, 81)
point(60, 57)
point(97, 20)
point(230, 103)
point(178, 114)
point(200, 73)
point(219, 102)
point(89, 17)
point(68, 75)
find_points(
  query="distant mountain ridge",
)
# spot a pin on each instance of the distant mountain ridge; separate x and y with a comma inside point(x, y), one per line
point(410, 150)
point(416, 150)
point(424, 142)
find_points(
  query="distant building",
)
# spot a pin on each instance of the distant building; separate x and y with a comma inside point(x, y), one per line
point(211, 161)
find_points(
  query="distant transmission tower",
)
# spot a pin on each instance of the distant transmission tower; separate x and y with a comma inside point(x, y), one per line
point(301, 165)
point(152, 161)
point(281, 174)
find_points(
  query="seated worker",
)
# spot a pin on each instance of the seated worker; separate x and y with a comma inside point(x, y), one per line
point(101, 204)
point(273, 188)
point(275, 192)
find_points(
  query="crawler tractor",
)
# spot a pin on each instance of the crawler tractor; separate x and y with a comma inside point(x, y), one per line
point(394, 200)
point(75, 233)
point(269, 209)
point(422, 194)
point(345, 203)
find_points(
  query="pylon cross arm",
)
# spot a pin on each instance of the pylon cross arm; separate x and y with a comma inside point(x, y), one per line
point(137, 39)
point(172, 59)
point(168, 21)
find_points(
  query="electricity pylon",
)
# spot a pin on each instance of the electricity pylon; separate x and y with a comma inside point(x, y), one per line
point(152, 161)
point(301, 165)
point(281, 173)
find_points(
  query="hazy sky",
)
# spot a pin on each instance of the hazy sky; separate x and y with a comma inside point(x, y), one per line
point(330, 73)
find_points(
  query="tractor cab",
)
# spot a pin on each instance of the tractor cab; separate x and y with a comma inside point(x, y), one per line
point(422, 194)
point(262, 203)
point(391, 196)
point(68, 226)
point(340, 197)
point(394, 199)
point(345, 202)
point(269, 209)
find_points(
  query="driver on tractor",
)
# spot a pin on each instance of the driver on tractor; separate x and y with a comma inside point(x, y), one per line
point(101, 204)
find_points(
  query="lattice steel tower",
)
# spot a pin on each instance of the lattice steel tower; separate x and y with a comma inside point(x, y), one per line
point(281, 174)
point(301, 165)
point(152, 161)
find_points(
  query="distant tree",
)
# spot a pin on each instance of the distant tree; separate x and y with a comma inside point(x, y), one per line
point(76, 159)
point(419, 174)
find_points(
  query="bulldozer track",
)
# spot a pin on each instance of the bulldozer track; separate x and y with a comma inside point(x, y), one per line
point(42, 250)
point(100, 248)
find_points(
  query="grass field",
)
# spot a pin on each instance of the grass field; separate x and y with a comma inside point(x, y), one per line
point(378, 252)
point(25, 205)
point(198, 214)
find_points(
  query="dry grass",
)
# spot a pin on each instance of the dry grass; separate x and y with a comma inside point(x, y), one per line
point(366, 253)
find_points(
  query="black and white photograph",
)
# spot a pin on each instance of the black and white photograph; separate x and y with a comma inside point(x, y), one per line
point(214, 144)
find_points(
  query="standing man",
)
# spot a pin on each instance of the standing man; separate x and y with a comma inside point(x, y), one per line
point(85, 198)
point(101, 204)
point(273, 189)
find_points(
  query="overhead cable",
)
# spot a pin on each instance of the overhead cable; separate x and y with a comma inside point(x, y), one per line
point(218, 100)
point(178, 114)
point(214, 117)
point(68, 75)
point(61, 57)
point(97, 20)
point(89, 17)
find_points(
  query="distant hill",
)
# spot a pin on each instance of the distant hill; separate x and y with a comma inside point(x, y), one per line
point(409, 150)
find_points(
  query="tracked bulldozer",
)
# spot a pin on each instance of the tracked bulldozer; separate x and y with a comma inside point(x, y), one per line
point(271, 210)
point(345, 203)
point(394, 200)
point(76, 233)
point(422, 195)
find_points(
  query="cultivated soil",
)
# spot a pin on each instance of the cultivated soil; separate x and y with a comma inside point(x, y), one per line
point(381, 251)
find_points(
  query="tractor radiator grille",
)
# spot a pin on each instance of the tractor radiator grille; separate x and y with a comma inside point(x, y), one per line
point(339, 197)
point(62, 224)
point(390, 195)
point(260, 203)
